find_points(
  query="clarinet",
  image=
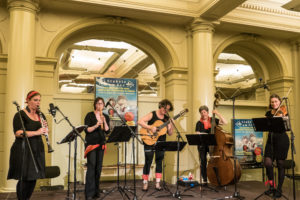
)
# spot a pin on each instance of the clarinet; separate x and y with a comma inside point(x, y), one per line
point(50, 150)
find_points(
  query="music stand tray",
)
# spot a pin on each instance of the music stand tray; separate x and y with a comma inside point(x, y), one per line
point(120, 134)
point(201, 139)
point(274, 124)
point(71, 136)
point(169, 145)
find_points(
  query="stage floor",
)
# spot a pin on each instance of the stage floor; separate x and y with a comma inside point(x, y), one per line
point(247, 189)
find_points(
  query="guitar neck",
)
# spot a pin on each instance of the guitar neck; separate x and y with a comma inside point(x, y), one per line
point(167, 122)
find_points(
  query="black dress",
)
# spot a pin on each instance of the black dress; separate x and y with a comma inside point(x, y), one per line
point(280, 144)
point(94, 157)
point(16, 153)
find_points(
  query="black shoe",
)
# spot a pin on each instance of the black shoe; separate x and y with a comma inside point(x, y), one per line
point(278, 193)
point(158, 188)
point(270, 191)
point(145, 187)
point(96, 196)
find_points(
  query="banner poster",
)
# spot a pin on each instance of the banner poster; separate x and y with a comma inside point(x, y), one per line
point(248, 143)
point(122, 95)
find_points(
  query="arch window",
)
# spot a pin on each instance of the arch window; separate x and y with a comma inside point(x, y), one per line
point(235, 76)
point(81, 62)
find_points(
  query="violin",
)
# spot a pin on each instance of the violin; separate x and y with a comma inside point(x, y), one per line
point(279, 112)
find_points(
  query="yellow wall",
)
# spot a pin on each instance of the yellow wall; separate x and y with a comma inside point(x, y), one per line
point(170, 51)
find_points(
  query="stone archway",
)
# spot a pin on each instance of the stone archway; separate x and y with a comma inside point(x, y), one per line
point(113, 28)
point(129, 31)
point(262, 55)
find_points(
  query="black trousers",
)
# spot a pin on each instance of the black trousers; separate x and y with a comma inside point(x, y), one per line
point(149, 153)
point(203, 161)
point(93, 173)
point(25, 189)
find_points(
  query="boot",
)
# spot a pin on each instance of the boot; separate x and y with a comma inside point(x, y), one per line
point(278, 193)
point(270, 191)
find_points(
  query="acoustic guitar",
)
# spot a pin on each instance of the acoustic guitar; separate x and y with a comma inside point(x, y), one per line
point(150, 138)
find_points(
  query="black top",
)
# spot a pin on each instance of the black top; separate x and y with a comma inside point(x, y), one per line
point(280, 143)
point(97, 136)
point(200, 128)
point(154, 119)
point(16, 152)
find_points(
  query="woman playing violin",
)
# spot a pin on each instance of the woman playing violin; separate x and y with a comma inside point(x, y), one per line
point(276, 148)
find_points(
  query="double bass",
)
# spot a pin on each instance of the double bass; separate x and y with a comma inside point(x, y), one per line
point(220, 168)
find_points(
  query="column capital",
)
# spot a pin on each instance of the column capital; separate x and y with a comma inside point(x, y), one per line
point(296, 44)
point(25, 5)
point(202, 25)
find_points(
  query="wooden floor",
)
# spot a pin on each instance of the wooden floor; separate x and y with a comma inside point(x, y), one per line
point(249, 190)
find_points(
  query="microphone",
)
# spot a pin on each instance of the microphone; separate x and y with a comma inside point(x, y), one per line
point(263, 84)
point(266, 87)
point(107, 103)
point(52, 110)
point(14, 102)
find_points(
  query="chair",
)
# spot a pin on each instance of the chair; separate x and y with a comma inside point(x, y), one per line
point(52, 172)
point(288, 165)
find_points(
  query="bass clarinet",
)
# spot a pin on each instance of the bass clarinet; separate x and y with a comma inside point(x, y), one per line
point(50, 150)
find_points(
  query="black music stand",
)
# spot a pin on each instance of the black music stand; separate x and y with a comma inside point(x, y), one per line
point(202, 139)
point(172, 146)
point(119, 134)
point(272, 125)
point(169, 145)
point(70, 137)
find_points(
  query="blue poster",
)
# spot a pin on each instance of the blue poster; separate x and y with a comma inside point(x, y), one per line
point(248, 143)
point(122, 96)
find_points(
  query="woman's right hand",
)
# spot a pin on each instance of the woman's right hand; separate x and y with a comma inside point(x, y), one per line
point(153, 129)
point(42, 131)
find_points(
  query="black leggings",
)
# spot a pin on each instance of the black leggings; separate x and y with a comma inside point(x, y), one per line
point(269, 169)
point(25, 189)
point(149, 153)
point(203, 162)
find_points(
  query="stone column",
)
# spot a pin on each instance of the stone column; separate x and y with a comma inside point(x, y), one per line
point(202, 66)
point(20, 70)
point(296, 116)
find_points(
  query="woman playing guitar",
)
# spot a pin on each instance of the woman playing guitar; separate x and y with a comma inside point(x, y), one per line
point(146, 122)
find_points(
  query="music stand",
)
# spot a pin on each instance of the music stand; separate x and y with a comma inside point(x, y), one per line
point(169, 145)
point(172, 146)
point(119, 134)
point(272, 125)
point(202, 139)
point(69, 138)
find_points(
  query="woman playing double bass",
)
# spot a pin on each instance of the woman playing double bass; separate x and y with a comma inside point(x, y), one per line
point(204, 126)
point(276, 148)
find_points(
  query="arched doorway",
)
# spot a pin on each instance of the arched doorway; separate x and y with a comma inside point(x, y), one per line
point(78, 36)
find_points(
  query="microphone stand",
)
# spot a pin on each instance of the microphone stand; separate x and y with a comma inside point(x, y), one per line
point(75, 151)
point(179, 137)
point(293, 150)
point(236, 194)
point(25, 138)
point(134, 136)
